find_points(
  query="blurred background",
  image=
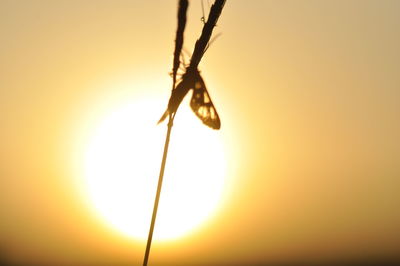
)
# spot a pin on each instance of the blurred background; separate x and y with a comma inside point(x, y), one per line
point(308, 93)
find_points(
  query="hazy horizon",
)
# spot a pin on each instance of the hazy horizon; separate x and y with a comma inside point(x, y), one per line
point(308, 95)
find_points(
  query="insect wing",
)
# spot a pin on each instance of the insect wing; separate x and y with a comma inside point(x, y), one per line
point(202, 105)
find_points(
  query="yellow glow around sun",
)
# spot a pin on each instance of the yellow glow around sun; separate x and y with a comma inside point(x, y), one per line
point(122, 163)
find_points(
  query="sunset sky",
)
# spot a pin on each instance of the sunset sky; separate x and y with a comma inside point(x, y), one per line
point(307, 161)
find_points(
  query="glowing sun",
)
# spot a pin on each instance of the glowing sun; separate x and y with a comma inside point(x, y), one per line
point(122, 163)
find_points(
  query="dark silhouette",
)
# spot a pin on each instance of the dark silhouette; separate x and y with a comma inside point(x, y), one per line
point(200, 103)
point(183, 5)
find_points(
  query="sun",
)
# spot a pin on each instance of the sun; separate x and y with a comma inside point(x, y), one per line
point(122, 163)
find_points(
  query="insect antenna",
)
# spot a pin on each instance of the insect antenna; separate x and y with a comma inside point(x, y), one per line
point(186, 51)
point(211, 41)
point(183, 66)
point(183, 56)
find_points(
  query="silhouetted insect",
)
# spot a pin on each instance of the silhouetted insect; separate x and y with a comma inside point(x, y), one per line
point(200, 103)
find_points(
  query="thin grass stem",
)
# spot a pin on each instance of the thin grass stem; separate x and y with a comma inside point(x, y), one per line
point(157, 199)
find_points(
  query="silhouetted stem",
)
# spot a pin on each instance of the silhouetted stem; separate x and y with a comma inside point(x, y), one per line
point(183, 5)
point(160, 180)
point(202, 42)
point(199, 49)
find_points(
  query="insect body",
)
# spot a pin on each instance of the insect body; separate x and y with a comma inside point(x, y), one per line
point(200, 103)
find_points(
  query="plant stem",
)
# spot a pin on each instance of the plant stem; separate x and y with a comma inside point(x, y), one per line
point(157, 199)
point(201, 44)
point(183, 5)
point(199, 50)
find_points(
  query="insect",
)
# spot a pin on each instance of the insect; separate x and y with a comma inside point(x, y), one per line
point(200, 102)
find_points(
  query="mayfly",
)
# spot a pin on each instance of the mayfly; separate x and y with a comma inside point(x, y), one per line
point(200, 103)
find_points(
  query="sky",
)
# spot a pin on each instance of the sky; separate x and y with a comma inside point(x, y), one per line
point(308, 94)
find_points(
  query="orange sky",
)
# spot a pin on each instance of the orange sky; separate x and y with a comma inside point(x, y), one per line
point(308, 94)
